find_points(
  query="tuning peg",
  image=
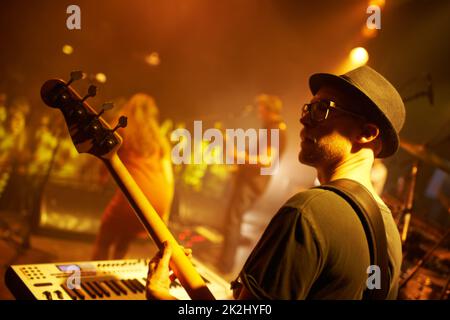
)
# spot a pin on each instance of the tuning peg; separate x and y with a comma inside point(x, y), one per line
point(92, 91)
point(123, 121)
point(109, 139)
point(75, 75)
point(105, 107)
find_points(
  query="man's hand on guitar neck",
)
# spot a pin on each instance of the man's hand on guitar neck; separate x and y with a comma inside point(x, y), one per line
point(159, 278)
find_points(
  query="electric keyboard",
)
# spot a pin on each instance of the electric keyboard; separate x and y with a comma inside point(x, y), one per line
point(98, 280)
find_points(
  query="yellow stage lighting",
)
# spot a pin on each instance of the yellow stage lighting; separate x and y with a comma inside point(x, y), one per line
point(67, 49)
point(359, 56)
point(100, 77)
point(153, 59)
point(379, 3)
point(368, 33)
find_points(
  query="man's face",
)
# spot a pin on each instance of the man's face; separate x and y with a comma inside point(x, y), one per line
point(326, 143)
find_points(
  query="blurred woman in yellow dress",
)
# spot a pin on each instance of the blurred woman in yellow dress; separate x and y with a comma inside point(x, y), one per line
point(146, 154)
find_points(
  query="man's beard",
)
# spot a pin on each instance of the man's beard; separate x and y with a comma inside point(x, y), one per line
point(308, 153)
point(317, 153)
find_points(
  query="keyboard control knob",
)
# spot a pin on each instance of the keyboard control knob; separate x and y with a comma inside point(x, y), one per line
point(48, 295)
point(59, 294)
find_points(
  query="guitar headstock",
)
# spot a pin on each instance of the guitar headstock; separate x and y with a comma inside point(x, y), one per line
point(90, 133)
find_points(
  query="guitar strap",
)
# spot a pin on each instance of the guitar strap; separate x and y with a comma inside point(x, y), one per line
point(369, 213)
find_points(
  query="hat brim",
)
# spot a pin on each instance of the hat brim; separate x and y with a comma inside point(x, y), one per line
point(389, 137)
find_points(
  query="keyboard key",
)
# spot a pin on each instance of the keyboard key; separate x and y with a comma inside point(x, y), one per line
point(97, 291)
point(79, 293)
point(129, 285)
point(102, 287)
point(138, 285)
point(112, 287)
point(69, 292)
point(120, 287)
point(88, 290)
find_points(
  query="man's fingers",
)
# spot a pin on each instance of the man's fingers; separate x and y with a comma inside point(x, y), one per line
point(165, 259)
point(187, 252)
point(172, 277)
point(161, 260)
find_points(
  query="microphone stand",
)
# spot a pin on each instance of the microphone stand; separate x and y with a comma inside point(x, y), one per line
point(428, 92)
point(416, 95)
point(407, 210)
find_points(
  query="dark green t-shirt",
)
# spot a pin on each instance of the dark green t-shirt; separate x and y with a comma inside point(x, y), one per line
point(315, 248)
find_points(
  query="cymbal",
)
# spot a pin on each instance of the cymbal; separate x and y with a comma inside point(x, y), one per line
point(421, 152)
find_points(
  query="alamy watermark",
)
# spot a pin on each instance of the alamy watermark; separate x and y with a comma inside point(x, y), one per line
point(73, 21)
point(374, 20)
point(374, 278)
point(236, 146)
point(74, 280)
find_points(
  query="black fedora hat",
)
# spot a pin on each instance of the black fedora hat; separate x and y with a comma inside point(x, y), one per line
point(378, 100)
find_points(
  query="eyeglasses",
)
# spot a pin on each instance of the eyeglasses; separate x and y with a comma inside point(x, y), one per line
point(319, 110)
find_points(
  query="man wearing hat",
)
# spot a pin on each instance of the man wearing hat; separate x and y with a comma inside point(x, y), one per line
point(316, 247)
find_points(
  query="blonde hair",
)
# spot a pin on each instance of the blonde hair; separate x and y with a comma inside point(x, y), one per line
point(142, 135)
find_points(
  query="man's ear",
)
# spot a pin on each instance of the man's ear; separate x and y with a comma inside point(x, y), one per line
point(369, 133)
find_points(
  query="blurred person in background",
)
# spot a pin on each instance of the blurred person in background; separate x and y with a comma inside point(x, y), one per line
point(146, 154)
point(15, 156)
point(4, 173)
point(378, 176)
point(249, 184)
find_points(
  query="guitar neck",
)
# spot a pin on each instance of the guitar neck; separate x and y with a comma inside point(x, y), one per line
point(180, 264)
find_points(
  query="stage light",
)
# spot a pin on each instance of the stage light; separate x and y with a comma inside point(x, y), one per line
point(153, 59)
point(379, 3)
point(359, 56)
point(67, 49)
point(100, 77)
point(369, 33)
